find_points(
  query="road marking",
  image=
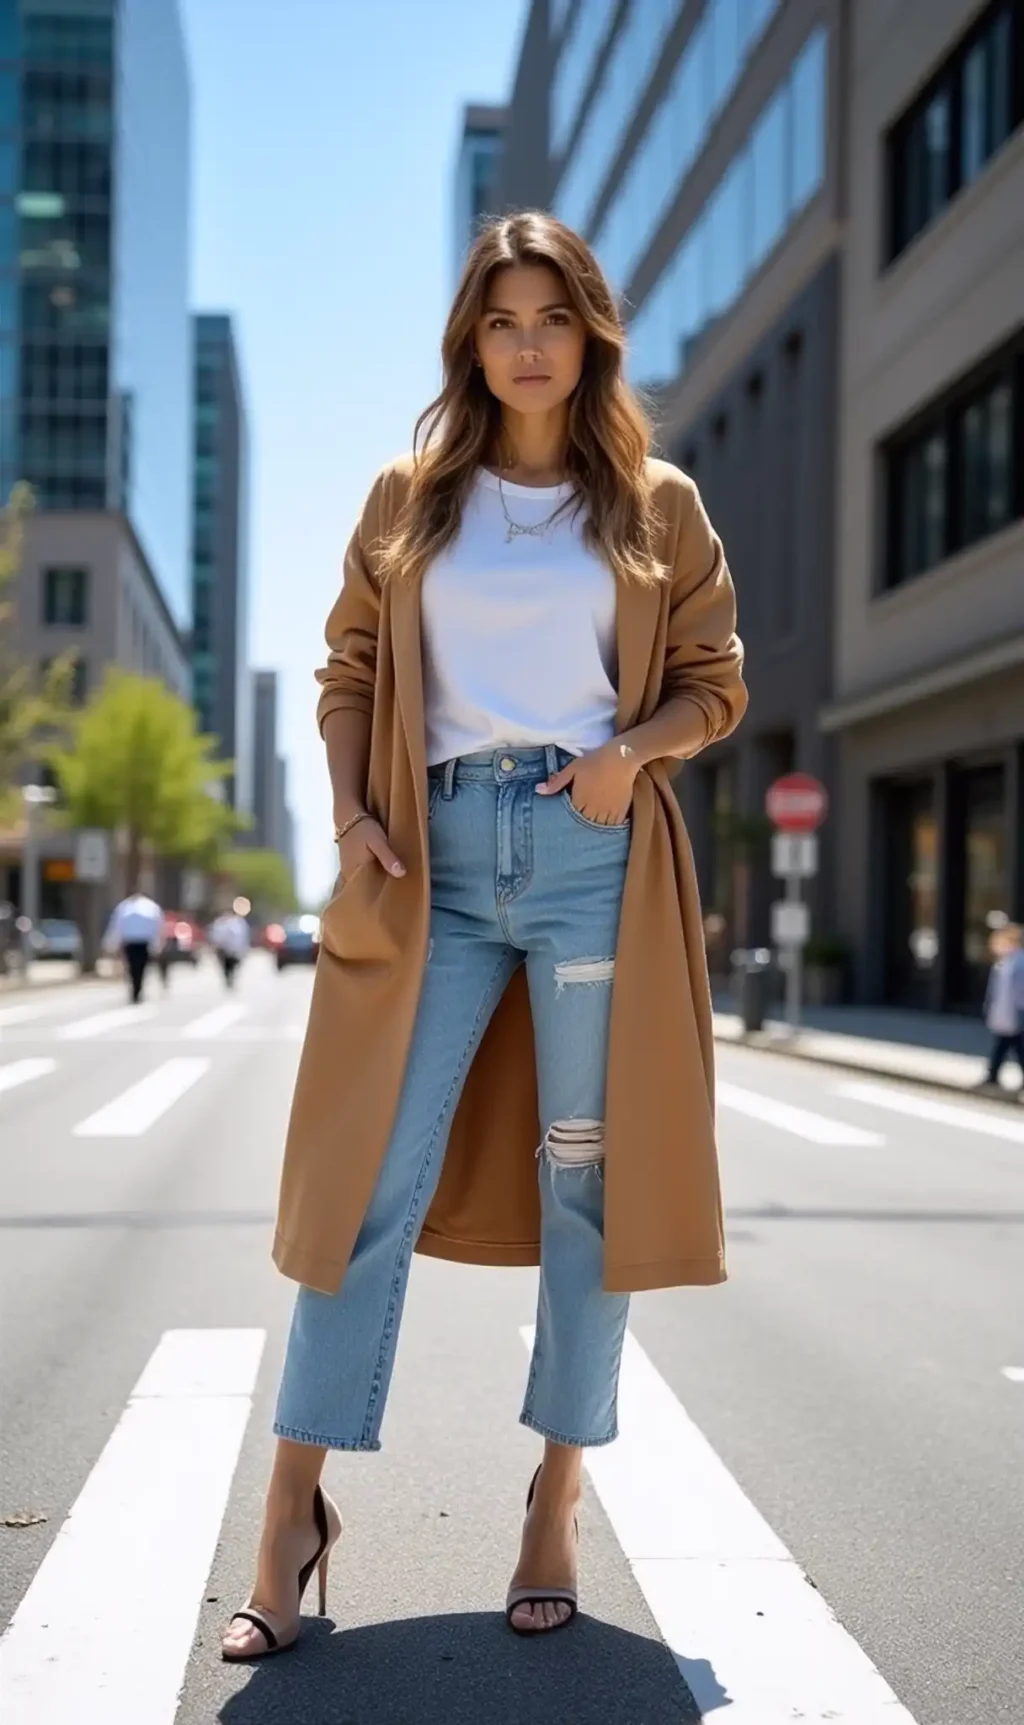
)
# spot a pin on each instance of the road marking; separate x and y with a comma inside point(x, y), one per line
point(214, 1023)
point(139, 1107)
point(19, 1014)
point(750, 1633)
point(992, 1125)
point(816, 1127)
point(136, 1549)
point(1014, 1373)
point(23, 1072)
point(80, 1028)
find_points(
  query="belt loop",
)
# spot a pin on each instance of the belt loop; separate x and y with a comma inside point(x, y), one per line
point(551, 759)
point(448, 789)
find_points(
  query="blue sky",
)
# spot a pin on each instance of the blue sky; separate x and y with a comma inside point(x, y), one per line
point(324, 134)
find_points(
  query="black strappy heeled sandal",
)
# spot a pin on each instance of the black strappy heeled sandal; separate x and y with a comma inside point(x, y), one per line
point(518, 1596)
point(279, 1634)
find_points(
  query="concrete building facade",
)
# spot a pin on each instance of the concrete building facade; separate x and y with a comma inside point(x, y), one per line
point(928, 704)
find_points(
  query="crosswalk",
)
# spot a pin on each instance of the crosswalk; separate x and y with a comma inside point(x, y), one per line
point(63, 1024)
point(137, 1547)
point(46, 1044)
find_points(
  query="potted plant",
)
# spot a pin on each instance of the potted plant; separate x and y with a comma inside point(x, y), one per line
point(825, 960)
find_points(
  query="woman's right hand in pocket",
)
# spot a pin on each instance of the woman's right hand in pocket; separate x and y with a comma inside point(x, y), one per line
point(363, 843)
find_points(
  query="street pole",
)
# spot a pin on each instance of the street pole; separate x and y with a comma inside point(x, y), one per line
point(794, 972)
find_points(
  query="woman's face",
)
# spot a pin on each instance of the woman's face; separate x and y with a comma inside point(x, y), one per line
point(530, 340)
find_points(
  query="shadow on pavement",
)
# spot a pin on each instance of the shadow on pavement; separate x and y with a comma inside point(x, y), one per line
point(469, 1669)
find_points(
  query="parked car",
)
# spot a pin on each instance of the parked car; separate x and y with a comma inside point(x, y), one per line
point(181, 940)
point(55, 937)
point(294, 941)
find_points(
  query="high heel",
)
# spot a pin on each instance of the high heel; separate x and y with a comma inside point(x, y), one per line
point(279, 1633)
point(518, 1596)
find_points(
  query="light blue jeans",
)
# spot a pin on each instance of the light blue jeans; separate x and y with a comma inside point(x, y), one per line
point(514, 878)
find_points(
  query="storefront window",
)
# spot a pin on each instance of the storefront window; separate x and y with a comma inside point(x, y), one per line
point(911, 908)
point(982, 802)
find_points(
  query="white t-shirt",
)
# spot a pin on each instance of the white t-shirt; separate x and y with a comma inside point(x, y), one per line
point(136, 918)
point(518, 635)
point(230, 933)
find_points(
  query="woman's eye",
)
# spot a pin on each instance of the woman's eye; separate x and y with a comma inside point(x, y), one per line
point(500, 323)
point(558, 317)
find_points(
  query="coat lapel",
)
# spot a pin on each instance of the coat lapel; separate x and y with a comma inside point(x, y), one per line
point(406, 649)
point(637, 613)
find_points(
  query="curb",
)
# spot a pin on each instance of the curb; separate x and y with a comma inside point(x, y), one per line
point(871, 1069)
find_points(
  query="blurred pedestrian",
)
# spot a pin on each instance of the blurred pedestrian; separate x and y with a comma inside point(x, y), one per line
point(228, 934)
point(557, 636)
point(134, 930)
point(1004, 1002)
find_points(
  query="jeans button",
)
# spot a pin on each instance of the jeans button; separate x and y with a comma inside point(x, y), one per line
point(507, 764)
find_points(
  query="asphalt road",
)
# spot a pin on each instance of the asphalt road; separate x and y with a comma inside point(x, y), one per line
point(815, 1510)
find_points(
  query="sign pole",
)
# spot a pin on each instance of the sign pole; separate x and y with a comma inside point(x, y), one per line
point(795, 972)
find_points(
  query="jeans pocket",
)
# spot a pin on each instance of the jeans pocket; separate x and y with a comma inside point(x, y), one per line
point(594, 826)
point(436, 786)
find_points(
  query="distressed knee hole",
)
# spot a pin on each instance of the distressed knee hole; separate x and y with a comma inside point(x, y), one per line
point(575, 1143)
point(583, 972)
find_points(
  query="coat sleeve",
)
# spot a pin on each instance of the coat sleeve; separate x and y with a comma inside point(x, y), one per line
point(703, 653)
point(347, 680)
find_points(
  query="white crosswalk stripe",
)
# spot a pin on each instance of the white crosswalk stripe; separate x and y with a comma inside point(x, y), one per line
point(80, 1029)
point(718, 1580)
point(139, 1107)
point(136, 1549)
point(214, 1023)
point(966, 1119)
point(19, 1014)
point(23, 1072)
point(818, 1128)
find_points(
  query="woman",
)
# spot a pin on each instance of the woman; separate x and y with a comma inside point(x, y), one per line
point(536, 621)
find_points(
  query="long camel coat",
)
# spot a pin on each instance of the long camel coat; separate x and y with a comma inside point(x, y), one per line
point(663, 1215)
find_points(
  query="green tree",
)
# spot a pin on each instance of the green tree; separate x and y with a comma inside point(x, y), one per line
point(31, 707)
point(263, 877)
point(134, 761)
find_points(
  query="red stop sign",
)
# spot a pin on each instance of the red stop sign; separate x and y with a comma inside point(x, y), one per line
point(797, 803)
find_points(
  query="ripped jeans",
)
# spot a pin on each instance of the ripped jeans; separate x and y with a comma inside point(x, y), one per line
point(514, 878)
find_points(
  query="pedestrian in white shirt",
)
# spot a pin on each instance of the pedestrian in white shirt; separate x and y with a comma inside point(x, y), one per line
point(1004, 1001)
point(134, 930)
point(229, 937)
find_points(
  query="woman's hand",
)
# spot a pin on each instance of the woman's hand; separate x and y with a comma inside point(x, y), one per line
point(364, 841)
point(602, 783)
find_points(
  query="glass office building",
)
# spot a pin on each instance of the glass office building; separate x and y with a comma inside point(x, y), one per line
point(476, 175)
point(94, 240)
point(221, 679)
point(690, 141)
point(629, 122)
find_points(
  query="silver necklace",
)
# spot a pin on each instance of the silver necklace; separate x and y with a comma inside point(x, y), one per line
point(515, 528)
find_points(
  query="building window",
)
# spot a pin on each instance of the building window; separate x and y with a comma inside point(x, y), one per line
point(65, 597)
point(969, 109)
point(778, 168)
point(954, 477)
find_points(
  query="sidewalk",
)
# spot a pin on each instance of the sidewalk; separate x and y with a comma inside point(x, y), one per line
point(51, 973)
point(921, 1047)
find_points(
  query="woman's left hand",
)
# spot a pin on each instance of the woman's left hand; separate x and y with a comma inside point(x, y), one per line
point(602, 783)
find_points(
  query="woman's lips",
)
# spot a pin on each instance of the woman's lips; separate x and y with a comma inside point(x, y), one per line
point(533, 377)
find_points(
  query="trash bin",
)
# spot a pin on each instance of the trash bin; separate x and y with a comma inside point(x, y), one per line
point(751, 971)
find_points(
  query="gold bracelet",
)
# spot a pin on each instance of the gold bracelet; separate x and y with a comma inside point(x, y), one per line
point(353, 821)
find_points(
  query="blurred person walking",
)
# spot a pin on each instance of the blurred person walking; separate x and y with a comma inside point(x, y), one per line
point(229, 936)
point(1004, 1002)
point(536, 627)
point(134, 930)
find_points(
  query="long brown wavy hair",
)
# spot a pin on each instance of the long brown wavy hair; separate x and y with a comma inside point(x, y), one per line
point(608, 434)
